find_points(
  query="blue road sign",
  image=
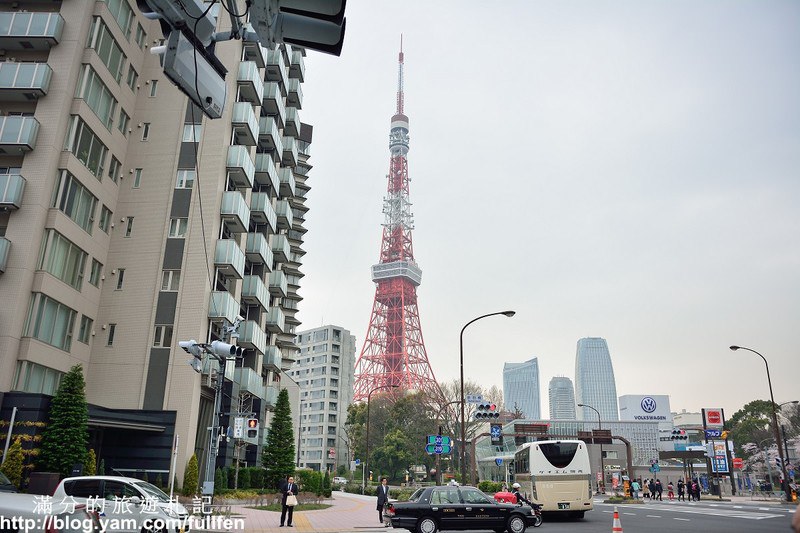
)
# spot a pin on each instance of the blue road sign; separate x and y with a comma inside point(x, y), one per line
point(655, 468)
point(498, 461)
point(713, 433)
point(496, 431)
point(358, 462)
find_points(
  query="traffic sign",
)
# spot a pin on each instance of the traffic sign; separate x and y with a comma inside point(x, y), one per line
point(444, 440)
point(474, 398)
point(357, 462)
point(713, 433)
point(653, 461)
point(738, 462)
point(238, 427)
point(655, 468)
point(498, 461)
point(437, 448)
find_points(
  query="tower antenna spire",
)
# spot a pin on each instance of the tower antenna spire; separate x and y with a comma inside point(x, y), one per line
point(400, 79)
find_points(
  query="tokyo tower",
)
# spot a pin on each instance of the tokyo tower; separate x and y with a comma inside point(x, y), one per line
point(393, 358)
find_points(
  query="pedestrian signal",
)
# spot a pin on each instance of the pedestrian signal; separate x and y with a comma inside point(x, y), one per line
point(252, 428)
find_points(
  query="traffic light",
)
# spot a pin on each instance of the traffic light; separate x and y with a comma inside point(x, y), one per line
point(223, 349)
point(486, 410)
point(252, 428)
point(191, 347)
point(679, 434)
point(314, 24)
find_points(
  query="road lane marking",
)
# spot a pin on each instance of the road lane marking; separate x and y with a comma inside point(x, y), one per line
point(630, 514)
point(684, 519)
point(653, 516)
point(738, 507)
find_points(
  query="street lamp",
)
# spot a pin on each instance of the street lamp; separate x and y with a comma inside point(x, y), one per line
point(599, 427)
point(366, 459)
point(774, 421)
point(463, 425)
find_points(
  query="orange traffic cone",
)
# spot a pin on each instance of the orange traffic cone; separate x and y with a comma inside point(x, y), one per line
point(617, 525)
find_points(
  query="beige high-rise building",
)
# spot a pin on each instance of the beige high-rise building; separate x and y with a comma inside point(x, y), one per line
point(121, 236)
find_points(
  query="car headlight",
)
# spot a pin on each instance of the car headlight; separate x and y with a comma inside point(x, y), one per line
point(170, 512)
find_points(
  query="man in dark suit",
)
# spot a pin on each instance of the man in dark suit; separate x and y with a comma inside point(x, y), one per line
point(383, 498)
point(287, 487)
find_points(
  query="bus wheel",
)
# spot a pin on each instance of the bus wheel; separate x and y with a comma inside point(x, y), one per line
point(579, 515)
point(427, 525)
point(516, 524)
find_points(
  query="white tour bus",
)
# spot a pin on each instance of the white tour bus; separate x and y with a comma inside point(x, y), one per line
point(556, 475)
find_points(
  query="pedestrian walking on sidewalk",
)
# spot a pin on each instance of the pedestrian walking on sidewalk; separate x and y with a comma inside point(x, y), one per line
point(659, 490)
point(645, 491)
point(635, 490)
point(670, 491)
point(288, 488)
point(681, 487)
point(383, 498)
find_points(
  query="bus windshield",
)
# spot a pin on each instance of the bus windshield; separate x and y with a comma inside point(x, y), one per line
point(559, 454)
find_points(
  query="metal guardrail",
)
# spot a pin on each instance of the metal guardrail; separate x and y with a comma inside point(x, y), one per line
point(767, 495)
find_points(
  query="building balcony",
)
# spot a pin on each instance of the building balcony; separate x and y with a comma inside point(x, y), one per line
point(287, 187)
point(289, 158)
point(278, 286)
point(229, 258)
point(280, 247)
point(240, 166)
point(294, 94)
point(20, 30)
point(5, 248)
point(251, 336)
point(269, 137)
point(273, 103)
point(18, 134)
point(265, 171)
point(272, 358)
point(292, 126)
point(223, 306)
point(261, 210)
point(12, 187)
point(23, 82)
point(245, 124)
point(254, 292)
point(248, 80)
point(234, 211)
point(276, 321)
point(257, 250)
point(253, 51)
point(284, 214)
point(276, 67)
point(270, 401)
point(297, 66)
point(250, 381)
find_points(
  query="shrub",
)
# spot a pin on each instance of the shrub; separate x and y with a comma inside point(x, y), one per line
point(12, 467)
point(490, 487)
point(244, 478)
point(191, 477)
point(90, 467)
point(220, 481)
point(256, 477)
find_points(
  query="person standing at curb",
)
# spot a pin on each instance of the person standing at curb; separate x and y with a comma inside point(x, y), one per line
point(383, 498)
point(635, 490)
point(681, 487)
point(289, 487)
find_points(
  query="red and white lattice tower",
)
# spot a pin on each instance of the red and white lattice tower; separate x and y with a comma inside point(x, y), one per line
point(394, 352)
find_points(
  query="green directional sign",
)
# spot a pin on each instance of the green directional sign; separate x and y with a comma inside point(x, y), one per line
point(438, 448)
point(444, 440)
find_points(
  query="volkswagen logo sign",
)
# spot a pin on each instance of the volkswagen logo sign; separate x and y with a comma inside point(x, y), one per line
point(648, 404)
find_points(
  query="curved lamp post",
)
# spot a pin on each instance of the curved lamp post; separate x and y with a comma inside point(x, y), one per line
point(463, 449)
point(774, 420)
point(599, 426)
point(366, 459)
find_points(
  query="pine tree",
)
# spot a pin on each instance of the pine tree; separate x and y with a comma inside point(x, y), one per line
point(101, 470)
point(12, 467)
point(190, 477)
point(220, 481)
point(65, 438)
point(278, 456)
point(90, 468)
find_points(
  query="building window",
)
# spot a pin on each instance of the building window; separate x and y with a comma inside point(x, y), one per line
point(112, 330)
point(37, 379)
point(97, 272)
point(186, 178)
point(97, 96)
point(163, 337)
point(129, 227)
point(141, 36)
point(146, 131)
point(153, 88)
point(75, 201)
point(192, 133)
point(110, 53)
point(177, 227)
point(170, 280)
point(50, 321)
point(62, 258)
point(105, 219)
point(122, 123)
point(86, 146)
point(120, 278)
point(85, 330)
point(133, 77)
point(137, 178)
point(114, 169)
point(122, 13)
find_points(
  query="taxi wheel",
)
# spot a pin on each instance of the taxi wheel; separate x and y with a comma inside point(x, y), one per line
point(427, 525)
point(152, 526)
point(516, 524)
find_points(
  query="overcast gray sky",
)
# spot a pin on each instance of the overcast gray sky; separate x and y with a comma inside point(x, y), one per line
point(628, 170)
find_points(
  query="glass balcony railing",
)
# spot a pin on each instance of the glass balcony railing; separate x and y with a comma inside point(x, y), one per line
point(245, 123)
point(223, 306)
point(273, 103)
point(297, 66)
point(5, 248)
point(254, 292)
point(269, 136)
point(265, 171)
point(229, 258)
point(261, 210)
point(288, 184)
point(289, 158)
point(278, 285)
point(292, 126)
point(284, 214)
point(257, 250)
point(276, 67)
point(252, 336)
point(235, 211)
point(280, 247)
point(21, 30)
point(240, 166)
point(250, 381)
point(253, 51)
point(271, 400)
point(272, 358)
point(18, 134)
point(294, 93)
point(251, 88)
point(24, 81)
point(276, 321)
point(12, 186)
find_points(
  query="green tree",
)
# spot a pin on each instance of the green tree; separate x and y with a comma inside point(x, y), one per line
point(278, 456)
point(244, 478)
point(90, 468)
point(751, 424)
point(101, 470)
point(220, 480)
point(65, 438)
point(393, 457)
point(12, 466)
point(191, 477)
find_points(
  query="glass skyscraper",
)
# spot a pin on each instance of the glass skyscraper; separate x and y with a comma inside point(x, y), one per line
point(562, 399)
point(594, 380)
point(521, 387)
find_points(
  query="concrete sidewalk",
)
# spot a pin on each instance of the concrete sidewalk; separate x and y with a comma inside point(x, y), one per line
point(348, 512)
